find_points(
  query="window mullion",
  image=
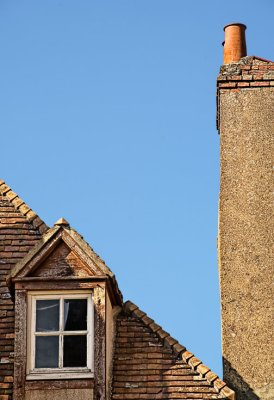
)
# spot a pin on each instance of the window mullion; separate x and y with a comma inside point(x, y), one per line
point(61, 337)
point(61, 340)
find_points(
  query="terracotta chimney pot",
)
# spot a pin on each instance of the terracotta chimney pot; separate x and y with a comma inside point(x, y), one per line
point(234, 44)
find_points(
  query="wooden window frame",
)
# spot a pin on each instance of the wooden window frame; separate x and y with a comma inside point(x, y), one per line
point(59, 373)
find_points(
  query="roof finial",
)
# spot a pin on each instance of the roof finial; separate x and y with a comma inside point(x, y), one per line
point(61, 222)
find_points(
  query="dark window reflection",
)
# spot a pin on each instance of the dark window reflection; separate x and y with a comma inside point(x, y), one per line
point(47, 315)
point(75, 315)
point(75, 351)
point(46, 351)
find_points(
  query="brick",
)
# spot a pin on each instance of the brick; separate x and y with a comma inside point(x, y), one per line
point(259, 84)
point(247, 77)
point(37, 222)
point(31, 215)
point(162, 334)
point(4, 385)
point(243, 84)
point(227, 85)
point(138, 313)
point(17, 202)
point(228, 393)
point(10, 195)
point(130, 306)
point(187, 355)
point(155, 327)
point(170, 341)
point(268, 76)
point(202, 369)
point(210, 376)
point(263, 67)
point(178, 348)
point(24, 208)
point(194, 362)
point(147, 320)
point(5, 188)
point(219, 384)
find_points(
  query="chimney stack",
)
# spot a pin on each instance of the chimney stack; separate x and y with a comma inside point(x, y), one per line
point(234, 44)
point(245, 236)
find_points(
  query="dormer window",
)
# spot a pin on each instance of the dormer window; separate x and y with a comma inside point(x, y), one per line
point(60, 337)
point(64, 300)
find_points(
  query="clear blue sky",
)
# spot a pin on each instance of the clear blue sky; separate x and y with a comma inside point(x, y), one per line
point(108, 119)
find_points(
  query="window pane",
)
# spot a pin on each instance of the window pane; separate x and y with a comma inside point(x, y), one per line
point(47, 315)
point(75, 351)
point(46, 351)
point(75, 314)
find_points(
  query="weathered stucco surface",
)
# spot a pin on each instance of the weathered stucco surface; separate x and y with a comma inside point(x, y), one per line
point(61, 394)
point(245, 239)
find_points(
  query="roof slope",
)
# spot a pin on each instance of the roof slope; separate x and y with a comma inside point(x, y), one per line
point(150, 364)
point(20, 229)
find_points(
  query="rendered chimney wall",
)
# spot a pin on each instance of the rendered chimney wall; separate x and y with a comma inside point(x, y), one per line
point(234, 44)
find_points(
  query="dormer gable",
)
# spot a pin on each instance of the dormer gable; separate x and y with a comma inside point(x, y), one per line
point(62, 262)
point(63, 255)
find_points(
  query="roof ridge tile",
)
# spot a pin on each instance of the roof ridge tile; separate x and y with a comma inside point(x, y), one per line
point(188, 357)
point(23, 208)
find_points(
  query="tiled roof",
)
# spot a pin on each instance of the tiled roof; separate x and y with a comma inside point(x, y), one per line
point(23, 211)
point(150, 364)
point(20, 229)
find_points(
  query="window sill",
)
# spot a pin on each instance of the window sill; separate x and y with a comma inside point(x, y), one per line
point(51, 384)
point(59, 376)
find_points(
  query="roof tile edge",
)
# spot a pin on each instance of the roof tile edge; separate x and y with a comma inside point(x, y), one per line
point(24, 209)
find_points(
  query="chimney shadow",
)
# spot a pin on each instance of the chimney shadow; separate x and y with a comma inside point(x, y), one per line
point(235, 382)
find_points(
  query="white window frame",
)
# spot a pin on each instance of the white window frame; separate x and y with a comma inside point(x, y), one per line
point(59, 373)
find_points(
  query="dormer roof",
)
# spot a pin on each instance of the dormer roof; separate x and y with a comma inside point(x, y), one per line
point(61, 235)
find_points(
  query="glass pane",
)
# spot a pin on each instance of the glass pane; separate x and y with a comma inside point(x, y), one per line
point(75, 351)
point(47, 315)
point(75, 315)
point(46, 351)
